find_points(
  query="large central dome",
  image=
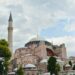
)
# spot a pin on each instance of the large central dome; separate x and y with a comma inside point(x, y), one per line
point(37, 40)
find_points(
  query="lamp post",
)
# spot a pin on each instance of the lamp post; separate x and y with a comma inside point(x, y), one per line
point(1, 65)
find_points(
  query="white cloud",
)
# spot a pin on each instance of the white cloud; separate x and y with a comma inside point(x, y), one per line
point(9, 2)
point(31, 16)
point(70, 27)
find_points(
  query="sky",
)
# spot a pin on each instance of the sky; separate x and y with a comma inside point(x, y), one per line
point(53, 20)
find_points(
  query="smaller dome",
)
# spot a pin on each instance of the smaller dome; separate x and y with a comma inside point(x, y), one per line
point(43, 61)
point(60, 61)
point(11, 73)
point(30, 66)
point(67, 65)
point(15, 69)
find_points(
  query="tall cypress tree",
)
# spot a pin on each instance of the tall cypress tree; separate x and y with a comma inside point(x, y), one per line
point(52, 65)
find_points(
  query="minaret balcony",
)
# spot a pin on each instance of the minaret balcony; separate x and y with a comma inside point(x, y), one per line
point(10, 28)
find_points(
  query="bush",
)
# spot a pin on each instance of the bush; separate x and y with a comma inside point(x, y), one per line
point(20, 71)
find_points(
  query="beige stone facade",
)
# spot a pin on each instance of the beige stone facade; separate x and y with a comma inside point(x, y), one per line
point(37, 50)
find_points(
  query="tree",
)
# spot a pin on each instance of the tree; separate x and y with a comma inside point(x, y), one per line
point(70, 63)
point(57, 69)
point(20, 71)
point(6, 64)
point(52, 65)
point(4, 53)
point(1, 68)
point(74, 67)
point(4, 50)
point(3, 42)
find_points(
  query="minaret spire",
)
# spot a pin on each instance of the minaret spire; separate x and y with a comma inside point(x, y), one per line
point(10, 32)
point(10, 17)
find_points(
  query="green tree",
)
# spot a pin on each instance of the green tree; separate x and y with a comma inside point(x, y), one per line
point(1, 68)
point(4, 50)
point(5, 53)
point(6, 64)
point(3, 42)
point(20, 71)
point(70, 63)
point(52, 65)
point(57, 69)
point(74, 67)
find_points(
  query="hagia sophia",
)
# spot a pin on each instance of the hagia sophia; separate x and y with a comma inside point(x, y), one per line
point(35, 52)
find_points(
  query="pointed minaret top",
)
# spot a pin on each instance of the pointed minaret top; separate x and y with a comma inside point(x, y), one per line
point(10, 17)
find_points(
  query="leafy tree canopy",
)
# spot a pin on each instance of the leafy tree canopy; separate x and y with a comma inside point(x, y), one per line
point(70, 63)
point(51, 65)
point(3, 42)
point(57, 68)
point(74, 67)
point(20, 71)
point(4, 50)
point(6, 54)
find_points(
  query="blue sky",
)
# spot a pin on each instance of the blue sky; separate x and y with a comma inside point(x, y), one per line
point(53, 20)
point(57, 30)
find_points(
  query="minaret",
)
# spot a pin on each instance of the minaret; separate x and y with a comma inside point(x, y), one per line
point(10, 33)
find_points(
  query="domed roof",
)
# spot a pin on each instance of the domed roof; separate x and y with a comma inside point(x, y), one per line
point(37, 38)
point(44, 61)
point(30, 66)
point(67, 65)
point(15, 69)
point(60, 61)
